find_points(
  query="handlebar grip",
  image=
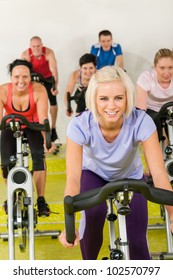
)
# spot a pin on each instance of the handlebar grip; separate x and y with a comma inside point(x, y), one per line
point(69, 108)
point(48, 134)
point(69, 219)
point(164, 108)
point(53, 83)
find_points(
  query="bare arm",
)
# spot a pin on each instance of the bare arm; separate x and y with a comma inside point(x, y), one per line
point(25, 55)
point(3, 99)
point(119, 61)
point(73, 171)
point(50, 56)
point(70, 87)
point(141, 98)
point(41, 99)
point(155, 161)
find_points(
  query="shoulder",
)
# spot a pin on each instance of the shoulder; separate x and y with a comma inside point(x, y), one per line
point(139, 118)
point(4, 88)
point(75, 75)
point(48, 51)
point(117, 48)
point(147, 75)
point(142, 123)
point(38, 90)
point(83, 122)
point(80, 127)
point(25, 54)
point(116, 45)
point(3, 92)
point(95, 48)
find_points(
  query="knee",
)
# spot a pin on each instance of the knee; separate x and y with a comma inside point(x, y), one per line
point(38, 162)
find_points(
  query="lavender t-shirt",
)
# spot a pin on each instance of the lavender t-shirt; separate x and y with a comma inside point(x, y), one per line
point(119, 159)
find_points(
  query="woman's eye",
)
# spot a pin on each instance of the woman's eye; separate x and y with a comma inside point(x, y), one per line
point(118, 98)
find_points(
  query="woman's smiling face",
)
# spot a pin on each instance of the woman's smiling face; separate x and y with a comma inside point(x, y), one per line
point(111, 101)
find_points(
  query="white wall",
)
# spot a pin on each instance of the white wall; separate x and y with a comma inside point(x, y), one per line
point(70, 27)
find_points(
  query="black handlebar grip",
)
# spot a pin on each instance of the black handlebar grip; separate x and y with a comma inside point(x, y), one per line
point(69, 219)
point(48, 134)
point(53, 83)
point(69, 108)
point(163, 109)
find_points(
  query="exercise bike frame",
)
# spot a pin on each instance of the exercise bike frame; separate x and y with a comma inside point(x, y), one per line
point(121, 192)
point(20, 185)
point(166, 117)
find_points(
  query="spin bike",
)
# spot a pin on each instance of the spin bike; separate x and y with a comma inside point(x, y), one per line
point(22, 216)
point(37, 77)
point(165, 116)
point(118, 194)
point(76, 97)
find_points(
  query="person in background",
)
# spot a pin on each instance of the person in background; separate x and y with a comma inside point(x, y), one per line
point(103, 142)
point(79, 81)
point(106, 51)
point(44, 62)
point(155, 86)
point(29, 99)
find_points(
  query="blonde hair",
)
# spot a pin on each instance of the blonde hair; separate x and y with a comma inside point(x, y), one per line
point(162, 53)
point(105, 75)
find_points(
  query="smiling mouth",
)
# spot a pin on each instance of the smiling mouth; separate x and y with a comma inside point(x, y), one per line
point(111, 113)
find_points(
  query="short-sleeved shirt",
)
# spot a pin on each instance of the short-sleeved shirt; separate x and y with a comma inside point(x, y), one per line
point(106, 58)
point(157, 95)
point(119, 159)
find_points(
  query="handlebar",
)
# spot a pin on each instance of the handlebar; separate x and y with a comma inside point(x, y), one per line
point(96, 196)
point(77, 96)
point(69, 108)
point(164, 108)
point(9, 121)
point(37, 77)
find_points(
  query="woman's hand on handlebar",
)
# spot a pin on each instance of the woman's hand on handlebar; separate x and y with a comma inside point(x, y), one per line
point(52, 148)
point(65, 243)
point(69, 114)
point(54, 92)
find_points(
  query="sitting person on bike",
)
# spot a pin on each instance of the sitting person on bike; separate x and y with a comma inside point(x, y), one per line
point(44, 62)
point(30, 100)
point(155, 87)
point(80, 79)
point(103, 142)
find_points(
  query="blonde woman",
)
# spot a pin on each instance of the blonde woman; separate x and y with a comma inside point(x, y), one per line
point(103, 143)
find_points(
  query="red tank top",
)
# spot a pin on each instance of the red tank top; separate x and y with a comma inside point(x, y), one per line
point(40, 65)
point(30, 114)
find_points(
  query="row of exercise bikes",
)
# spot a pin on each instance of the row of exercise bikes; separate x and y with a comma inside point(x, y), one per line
point(21, 222)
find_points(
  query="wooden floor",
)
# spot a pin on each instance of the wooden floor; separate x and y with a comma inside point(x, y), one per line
point(48, 247)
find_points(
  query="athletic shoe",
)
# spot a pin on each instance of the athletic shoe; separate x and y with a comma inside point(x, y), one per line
point(43, 207)
point(54, 135)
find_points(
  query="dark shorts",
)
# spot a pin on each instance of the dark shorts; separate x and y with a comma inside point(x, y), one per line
point(8, 148)
point(48, 85)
